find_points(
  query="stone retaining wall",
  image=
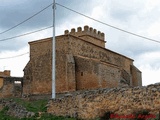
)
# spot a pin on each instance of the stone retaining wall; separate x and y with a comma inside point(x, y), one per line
point(15, 109)
point(95, 103)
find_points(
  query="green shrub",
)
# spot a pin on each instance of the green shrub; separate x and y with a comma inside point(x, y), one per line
point(143, 115)
point(3, 115)
point(33, 106)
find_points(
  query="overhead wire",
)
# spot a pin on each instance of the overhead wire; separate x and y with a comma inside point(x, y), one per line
point(79, 14)
point(52, 26)
point(25, 34)
point(15, 56)
point(26, 19)
point(131, 33)
point(21, 36)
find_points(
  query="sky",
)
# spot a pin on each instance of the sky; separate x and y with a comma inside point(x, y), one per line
point(137, 16)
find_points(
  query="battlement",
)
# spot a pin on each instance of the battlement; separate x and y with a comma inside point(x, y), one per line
point(5, 73)
point(89, 31)
point(88, 34)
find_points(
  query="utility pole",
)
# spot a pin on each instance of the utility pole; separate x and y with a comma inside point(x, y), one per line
point(54, 55)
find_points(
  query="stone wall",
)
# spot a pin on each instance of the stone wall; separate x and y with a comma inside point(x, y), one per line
point(37, 73)
point(136, 76)
point(1, 82)
point(14, 109)
point(5, 73)
point(10, 88)
point(95, 103)
point(82, 48)
point(93, 74)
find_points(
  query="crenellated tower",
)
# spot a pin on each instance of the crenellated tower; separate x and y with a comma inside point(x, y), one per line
point(88, 34)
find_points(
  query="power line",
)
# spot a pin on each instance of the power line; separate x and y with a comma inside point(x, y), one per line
point(134, 34)
point(25, 34)
point(26, 19)
point(15, 56)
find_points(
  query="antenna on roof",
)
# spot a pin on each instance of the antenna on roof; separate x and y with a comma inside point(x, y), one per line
point(53, 55)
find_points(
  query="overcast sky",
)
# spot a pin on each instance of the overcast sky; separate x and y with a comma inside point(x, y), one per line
point(138, 16)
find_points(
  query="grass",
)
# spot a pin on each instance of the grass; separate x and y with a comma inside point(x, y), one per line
point(3, 115)
point(35, 106)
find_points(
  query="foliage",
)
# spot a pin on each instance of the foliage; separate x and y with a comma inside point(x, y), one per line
point(4, 116)
point(33, 106)
point(36, 106)
point(39, 106)
point(106, 116)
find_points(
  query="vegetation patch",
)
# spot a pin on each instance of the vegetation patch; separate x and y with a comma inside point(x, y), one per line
point(36, 106)
point(39, 108)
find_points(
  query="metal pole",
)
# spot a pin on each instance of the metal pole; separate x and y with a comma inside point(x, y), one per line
point(53, 55)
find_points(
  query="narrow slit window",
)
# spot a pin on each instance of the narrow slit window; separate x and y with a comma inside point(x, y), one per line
point(17, 82)
point(81, 73)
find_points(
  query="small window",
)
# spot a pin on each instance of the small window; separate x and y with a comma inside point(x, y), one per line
point(17, 82)
point(81, 73)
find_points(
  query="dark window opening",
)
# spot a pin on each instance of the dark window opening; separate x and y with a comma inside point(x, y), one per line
point(81, 73)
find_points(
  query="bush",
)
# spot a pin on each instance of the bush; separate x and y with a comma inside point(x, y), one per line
point(143, 115)
point(106, 116)
point(38, 106)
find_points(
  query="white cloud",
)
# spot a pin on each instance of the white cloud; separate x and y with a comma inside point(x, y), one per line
point(149, 64)
point(150, 58)
point(149, 75)
point(16, 65)
point(154, 29)
point(151, 4)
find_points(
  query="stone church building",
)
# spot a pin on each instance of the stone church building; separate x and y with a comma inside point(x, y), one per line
point(82, 63)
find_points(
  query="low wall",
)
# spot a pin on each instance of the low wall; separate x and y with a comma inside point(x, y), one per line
point(14, 109)
point(10, 88)
point(95, 103)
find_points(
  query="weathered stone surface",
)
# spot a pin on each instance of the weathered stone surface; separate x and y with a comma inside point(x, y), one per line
point(15, 109)
point(82, 63)
point(10, 88)
point(3, 74)
point(95, 103)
